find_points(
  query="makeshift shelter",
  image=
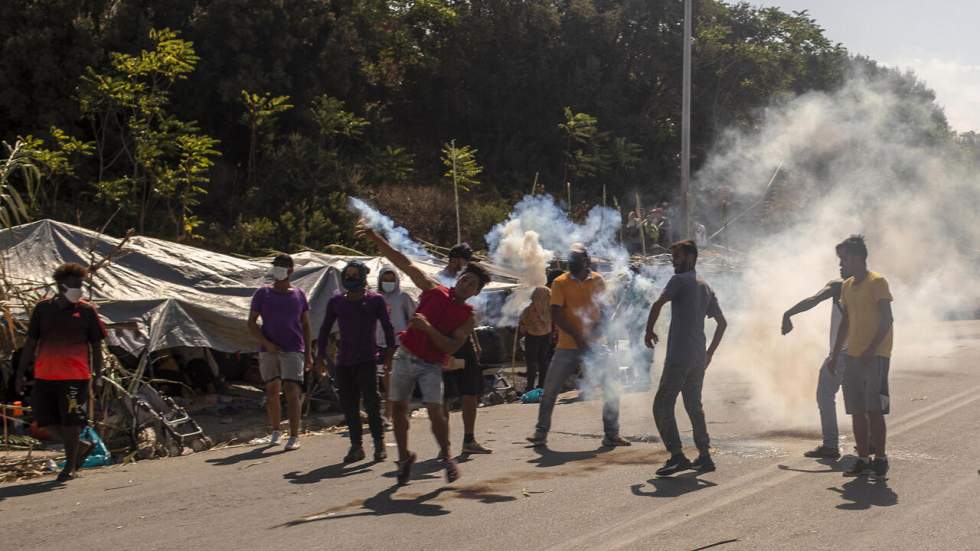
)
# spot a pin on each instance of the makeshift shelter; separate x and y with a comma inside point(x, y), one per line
point(177, 295)
point(174, 294)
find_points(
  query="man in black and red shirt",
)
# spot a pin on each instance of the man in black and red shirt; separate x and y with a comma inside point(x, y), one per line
point(63, 344)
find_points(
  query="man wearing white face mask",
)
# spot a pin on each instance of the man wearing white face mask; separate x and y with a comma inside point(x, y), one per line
point(286, 350)
point(401, 308)
point(63, 344)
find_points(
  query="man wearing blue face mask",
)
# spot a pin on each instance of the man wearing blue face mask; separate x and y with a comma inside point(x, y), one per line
point(357, 313)
point(64, 345)
point(285, 351)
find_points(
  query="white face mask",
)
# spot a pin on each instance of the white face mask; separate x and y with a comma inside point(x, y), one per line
point(279, 273)
point(388, 286)
point(73, 294)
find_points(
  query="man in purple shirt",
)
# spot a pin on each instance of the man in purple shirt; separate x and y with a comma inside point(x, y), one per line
point(285, 351)
point(357, 313)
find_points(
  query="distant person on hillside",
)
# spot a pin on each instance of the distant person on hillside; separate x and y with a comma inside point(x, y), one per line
point(401, 308)
point(441, 325)
point(64, 344)
point(577, 309)
point(829, 380)
point(358, 313)
point(865, 339)
point(692, 300)
point(286, 350)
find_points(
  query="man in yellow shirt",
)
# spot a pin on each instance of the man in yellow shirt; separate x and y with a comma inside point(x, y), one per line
point(866, 329)
point(576, 308)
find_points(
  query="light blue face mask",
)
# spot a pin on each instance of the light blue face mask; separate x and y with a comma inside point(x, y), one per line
point(388, 286)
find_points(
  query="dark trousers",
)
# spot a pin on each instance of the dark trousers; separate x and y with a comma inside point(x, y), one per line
point(354, 383)
point(537, 349)
point(687, 382)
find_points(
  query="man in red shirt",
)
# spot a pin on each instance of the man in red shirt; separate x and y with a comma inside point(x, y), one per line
point(442, 323)
point(63, 344)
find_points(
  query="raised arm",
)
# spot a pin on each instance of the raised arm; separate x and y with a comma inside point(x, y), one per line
point(418, 277)
point(832, 289)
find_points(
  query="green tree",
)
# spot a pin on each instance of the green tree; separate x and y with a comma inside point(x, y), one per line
point(261, 111)
point(18, 163)
point(462, 170)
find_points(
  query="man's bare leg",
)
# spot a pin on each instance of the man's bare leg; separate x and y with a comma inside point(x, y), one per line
point(272, 407)
point(399, 415)
point(469, 413)
point(293, 407)
point(440, 428)
point(878, 432)
point(859, 422)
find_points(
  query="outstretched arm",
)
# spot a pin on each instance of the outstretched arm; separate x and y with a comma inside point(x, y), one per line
point(830, 290)
point(418, 277)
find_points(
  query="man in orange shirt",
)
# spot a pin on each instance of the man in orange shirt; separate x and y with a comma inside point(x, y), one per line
point(577, 311)
point(64, 344)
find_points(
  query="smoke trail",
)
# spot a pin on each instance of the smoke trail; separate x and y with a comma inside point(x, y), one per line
point(858, 160)
point(397, 236)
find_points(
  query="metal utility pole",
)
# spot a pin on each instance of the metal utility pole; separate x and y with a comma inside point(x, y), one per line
point(686, 126)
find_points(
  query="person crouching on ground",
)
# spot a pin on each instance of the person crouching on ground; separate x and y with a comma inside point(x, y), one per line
point(64, 339)
point(358, 312)
point(286, 346)
point(441, 324)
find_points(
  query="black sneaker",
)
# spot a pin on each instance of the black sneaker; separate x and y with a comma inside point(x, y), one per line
point(355, 454)
point(703, 464)
point(880, 466)
point(405, 468)
point(380, 453)
point(823, 452)
point(674, 465)
point(859, 468)
point(452, 469)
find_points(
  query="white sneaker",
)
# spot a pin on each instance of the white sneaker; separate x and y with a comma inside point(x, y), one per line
point(275, 438)
point(292, 443)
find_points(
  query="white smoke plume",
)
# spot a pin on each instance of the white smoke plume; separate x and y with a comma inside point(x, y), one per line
point(855, 161)
point(396, 235)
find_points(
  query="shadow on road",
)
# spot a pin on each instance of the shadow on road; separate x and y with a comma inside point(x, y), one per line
point(384, 503)
point(833, 466)
point(550, 458)
point(865, 492)
point(339, 470)
point(22, 490)
point(672, 486)
point(250, 455)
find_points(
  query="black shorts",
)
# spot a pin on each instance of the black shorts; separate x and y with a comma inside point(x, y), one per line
point(467, 381)
point(61, 403)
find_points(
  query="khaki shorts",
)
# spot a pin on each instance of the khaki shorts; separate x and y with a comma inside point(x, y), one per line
point(288, 366)
point(866, 386)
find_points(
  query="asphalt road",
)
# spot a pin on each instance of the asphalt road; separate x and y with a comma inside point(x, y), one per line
point(572, 495)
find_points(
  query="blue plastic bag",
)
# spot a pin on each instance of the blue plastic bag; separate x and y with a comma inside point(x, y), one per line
point(532, 396)
point(99, 456)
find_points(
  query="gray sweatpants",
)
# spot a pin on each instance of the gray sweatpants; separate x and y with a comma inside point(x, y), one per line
point(563, 365)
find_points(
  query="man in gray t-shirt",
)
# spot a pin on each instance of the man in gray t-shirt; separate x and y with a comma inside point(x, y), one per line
point(692, 300)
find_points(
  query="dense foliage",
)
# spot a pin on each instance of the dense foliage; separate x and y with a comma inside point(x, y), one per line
point(246, 124)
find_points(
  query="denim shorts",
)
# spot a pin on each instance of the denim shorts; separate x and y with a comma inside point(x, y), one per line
point(407, 370)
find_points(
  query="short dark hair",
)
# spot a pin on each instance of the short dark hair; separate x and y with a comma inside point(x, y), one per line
point(70, 269)
point(283, 260)
point(479, 271)
point(688, 246)
point(461, 250)
point(853, 246)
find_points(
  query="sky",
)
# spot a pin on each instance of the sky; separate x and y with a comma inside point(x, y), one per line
point(937, 40)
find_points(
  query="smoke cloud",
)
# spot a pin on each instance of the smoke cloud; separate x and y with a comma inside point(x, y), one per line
point(861, 160)
point(396, 235)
